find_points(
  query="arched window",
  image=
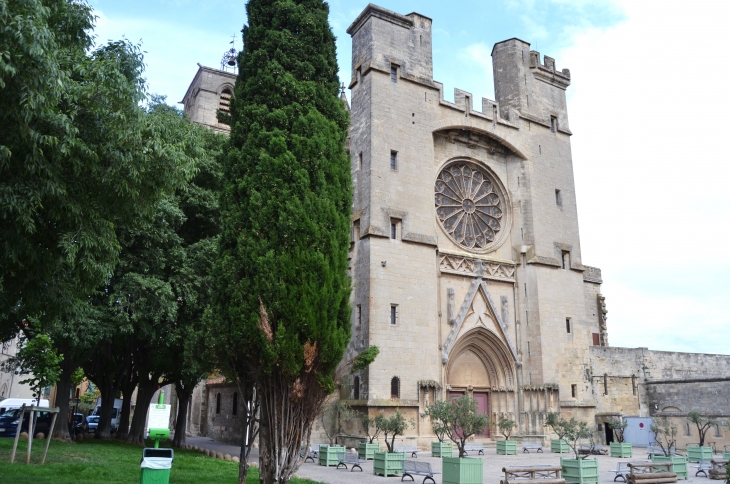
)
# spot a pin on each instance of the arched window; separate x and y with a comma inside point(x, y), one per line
point(235, 403)
point(225, 100)
point(395, 388)
point(217, 403)
point(356, 388)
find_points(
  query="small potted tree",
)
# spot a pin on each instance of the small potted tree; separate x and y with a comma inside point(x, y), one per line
point(506, 446)
point(389, 463)
point(581, 469)
point(619, 448)
point(366, 450)
point(559, 445)
point(462, 420)
point(695, 453)
point(665, 434)
point(437, 414)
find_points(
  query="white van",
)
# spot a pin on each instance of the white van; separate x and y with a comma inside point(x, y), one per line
point(12, 403)
point(116, 412)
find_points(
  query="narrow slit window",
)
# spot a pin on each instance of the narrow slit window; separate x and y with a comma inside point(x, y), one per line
point(558, 198)
point(393, 314)
point(217, 403)
point(395, 229)
point(359, 162)
point(574, 391)
point(234, 411)
point(528, 349)
point(566, 259)
point(356, 230)
point(356, 388)
point(394, 160)
point(393, 73)
point(553, 124)
point(567, 325)
point(359, 315)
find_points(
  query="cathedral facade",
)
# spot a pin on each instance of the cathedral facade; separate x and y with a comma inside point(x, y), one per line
point(465, 253)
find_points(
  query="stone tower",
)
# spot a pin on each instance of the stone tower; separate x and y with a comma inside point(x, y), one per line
point(466, 263)
point(210, 90)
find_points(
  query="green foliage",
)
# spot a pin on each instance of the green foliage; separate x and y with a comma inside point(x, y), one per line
point(365, 358)
point(77, 377)
point(703, 424)
point(287, 201)
point(370, 426)
point(506, 426)
point(437, 412)
point(665, 433)
point(78, 156)
point(571, 431)
point(392, 427)
point(618, 424)
point(462, 419)
point(39, 360)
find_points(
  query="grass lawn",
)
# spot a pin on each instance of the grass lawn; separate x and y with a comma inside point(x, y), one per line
point(93, 461)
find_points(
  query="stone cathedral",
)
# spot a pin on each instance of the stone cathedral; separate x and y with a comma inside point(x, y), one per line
point(465, 257)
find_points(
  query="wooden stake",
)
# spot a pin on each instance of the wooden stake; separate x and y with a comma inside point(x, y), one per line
point(30, 435)
point(48, 439)
point(17, 433)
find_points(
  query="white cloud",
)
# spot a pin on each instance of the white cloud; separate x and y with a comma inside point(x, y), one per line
point(647, 109)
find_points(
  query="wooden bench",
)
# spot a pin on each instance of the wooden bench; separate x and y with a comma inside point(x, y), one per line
point(719, 469)
point(702, 467)
point(596, 449)
point(411, 468)
point(532, 475)
point(528, 446)
point(351, 458)
point(474, 447)
point(621, 471)
point(651, 473)
point(407, 449)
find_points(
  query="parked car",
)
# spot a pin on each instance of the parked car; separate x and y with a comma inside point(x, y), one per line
point(9, 423)
point(79, 423)
point(92, 422)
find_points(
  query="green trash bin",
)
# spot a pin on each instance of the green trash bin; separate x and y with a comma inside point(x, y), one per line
point(156, 465)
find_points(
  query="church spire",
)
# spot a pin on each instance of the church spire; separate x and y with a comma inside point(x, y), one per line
point(343, 97)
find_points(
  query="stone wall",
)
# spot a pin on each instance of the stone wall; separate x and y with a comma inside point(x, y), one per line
point(222, 423)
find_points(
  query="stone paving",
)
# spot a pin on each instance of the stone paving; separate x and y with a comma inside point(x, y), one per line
point(493, 465)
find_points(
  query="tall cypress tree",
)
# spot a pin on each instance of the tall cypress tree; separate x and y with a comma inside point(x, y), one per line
point(282, 287)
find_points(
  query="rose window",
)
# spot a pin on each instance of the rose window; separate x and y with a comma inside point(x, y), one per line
point(467, 205)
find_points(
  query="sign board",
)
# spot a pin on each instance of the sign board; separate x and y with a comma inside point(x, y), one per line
point(158, 416)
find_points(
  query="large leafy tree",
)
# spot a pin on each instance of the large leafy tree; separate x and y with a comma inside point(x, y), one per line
point(281, 296)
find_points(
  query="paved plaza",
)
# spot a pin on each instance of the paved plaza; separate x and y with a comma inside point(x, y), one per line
point(493, 465)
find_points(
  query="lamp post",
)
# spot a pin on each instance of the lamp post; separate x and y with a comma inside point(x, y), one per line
point(76, 402)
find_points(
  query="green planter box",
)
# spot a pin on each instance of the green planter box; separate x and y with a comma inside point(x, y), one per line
point(580, 470)
point(559, 446)
point(621, 449)
point(467, 470)
point(441, 449)
point(388, 463)
point(328, 454)
point(679, 464)
point(507, 447)
point(726, 455)
point(695, 453)
point(367, 451)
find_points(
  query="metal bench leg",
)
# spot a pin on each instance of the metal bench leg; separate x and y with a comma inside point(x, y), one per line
point(621, 476)
point(481, 452)
point(702, 471)
point(404, 476)
point(343, 465)
point(539, 450)
point(355, 465)
point(525, 450)
point(428, 477)
point(309, 457)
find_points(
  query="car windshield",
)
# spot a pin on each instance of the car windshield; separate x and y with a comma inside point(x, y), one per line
point(92, 419)
point(14, 413)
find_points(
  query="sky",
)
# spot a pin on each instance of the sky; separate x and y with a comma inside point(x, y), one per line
point(647, 108)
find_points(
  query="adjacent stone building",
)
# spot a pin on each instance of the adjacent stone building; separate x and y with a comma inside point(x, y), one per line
point(465, 258)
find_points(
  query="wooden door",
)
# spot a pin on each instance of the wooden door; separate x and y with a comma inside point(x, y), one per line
point(482, 399)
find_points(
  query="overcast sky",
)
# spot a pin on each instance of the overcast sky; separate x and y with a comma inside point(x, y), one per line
point(648, 109)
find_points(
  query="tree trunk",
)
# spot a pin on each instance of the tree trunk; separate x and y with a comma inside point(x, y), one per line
point(288, 412)
point(127, 387)
point(146, 388)
point(243, 462)
point(181, 425)
point(63, 389)
point(108, 392)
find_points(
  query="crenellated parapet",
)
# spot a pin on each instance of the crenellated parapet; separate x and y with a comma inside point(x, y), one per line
point(546, 71)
